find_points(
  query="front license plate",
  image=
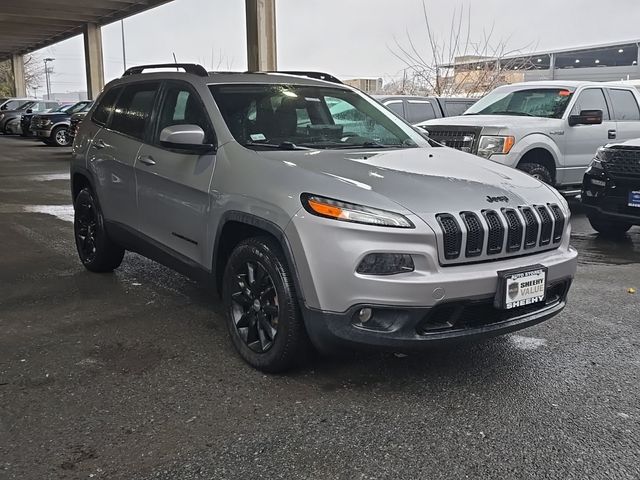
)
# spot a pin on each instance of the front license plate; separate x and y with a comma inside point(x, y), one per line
point(520, 287)
point(634, 199)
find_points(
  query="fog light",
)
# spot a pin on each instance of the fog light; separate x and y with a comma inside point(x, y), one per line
point(364, 315)
point(386, 264)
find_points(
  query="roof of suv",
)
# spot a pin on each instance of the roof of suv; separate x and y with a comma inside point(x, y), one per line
point(198, 74)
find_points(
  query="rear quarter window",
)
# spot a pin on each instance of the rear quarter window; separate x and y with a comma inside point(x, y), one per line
point(625, 105)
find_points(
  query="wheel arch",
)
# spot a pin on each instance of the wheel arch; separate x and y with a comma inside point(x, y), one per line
point(542, 156)
point(80, 180)
point(237, 226)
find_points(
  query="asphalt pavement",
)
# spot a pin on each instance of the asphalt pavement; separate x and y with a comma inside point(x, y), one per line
point(131, 375)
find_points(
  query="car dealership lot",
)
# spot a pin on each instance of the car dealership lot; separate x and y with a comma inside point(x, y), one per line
point(132, 375)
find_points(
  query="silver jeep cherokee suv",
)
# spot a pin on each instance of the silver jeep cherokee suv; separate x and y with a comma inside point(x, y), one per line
point(320, 216)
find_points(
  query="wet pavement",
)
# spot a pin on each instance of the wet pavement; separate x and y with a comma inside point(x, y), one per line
point(131, 375)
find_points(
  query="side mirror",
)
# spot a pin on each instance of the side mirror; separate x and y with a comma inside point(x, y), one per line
point(29, 110)
point(185, 137)
point(586, 117)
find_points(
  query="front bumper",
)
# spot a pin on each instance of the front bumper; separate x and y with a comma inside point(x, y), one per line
point(327, 253)
point(42, 132)
point(609, 201)
point(411, 329)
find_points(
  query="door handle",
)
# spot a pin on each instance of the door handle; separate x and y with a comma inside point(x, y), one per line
point(612, 134)
point(99, 144)
point(147, 160)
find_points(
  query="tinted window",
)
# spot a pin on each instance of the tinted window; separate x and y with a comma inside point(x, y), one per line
point(591, 99)
point(105, 107)
point(182, 106)
point(133, 109)
point(396, 107)
point(625, 106)
point(456, 108)
point(420, 111)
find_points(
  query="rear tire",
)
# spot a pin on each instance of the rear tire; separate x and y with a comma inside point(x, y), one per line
point(608, 228)
point(538, 171)
point(262, 312)
point(97, 252)
point(60, 137)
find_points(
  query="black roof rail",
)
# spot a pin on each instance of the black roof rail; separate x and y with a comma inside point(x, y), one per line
point(192, 68)
point(315, 75)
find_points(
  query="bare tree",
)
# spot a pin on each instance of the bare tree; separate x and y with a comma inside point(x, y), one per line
point(457, 65)
point(33, 74)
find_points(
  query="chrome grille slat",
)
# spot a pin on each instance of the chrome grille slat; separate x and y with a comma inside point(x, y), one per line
point(490, 235)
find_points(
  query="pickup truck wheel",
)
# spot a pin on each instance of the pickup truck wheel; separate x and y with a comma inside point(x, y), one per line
point(538, 171)
point(263, 316)
point(96, 250)
point(608, 228)
point(60, 137)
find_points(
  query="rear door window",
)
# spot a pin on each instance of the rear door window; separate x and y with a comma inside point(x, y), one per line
point(133, 109)
point(419, 111)
point(396, 106)
point(625, 105)
point(105, 107)
point(455, 108)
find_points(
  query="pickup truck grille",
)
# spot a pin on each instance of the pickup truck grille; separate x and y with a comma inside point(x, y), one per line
point(495, 234)
point(460, 138)
point(622, 163)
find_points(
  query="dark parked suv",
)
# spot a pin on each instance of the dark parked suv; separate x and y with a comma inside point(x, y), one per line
point(53, 128)
point(611, 188)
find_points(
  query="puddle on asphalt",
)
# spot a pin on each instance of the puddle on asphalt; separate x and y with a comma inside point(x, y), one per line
point(63, 212)
point(50, 177)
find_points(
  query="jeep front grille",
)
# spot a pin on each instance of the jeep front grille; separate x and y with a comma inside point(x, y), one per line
point(460, 138)
point(493, 234)
point(622, 163)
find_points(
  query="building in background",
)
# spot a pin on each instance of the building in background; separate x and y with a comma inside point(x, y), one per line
point(69, 96)
point(367, 85)
point(600, 63)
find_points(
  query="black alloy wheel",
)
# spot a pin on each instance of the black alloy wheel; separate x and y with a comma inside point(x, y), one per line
point(255, 307)
point(263, 316)
point(96, 250)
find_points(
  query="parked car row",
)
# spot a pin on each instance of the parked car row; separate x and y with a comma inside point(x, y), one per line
point(10, 119)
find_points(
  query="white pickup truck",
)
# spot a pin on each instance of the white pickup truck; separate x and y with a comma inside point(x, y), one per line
point(549, 129)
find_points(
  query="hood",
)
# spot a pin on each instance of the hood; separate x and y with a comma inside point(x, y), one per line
point(635, 143)
point(422, 180)
point(496, 121)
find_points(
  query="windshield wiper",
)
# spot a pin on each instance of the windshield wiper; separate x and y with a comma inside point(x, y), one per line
point(505, 112)
point(280, 146)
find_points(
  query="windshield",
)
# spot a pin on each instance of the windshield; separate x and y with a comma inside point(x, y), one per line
point(530, 102)
point(293, 116)
point(78, 107)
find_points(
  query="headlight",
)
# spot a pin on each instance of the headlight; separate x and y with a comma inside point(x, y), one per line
point(45, 123)
point(1, 116)
point(490, 145)
point(596, 163)
point(349, 212)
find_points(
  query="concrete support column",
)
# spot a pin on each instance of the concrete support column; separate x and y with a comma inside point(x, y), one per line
point(19, 84)
point(261, 35)
point(93, 60)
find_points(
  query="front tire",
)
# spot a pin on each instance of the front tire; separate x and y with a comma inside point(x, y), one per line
point(60, 137)
point(538, 171)
point(609, 228)
point(262, 312)
point(97, 252)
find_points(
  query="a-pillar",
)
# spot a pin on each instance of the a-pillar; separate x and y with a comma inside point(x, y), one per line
point(19, 85)
point(261, 35)
point(93, 60)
